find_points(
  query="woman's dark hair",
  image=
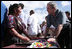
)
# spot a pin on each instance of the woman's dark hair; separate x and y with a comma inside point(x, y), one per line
point(31, 12)
point(13, 7)
point(22, 6)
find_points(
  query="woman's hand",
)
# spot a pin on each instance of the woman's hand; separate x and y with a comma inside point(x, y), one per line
point(26, 39)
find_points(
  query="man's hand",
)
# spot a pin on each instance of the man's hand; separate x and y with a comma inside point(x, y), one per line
point(58, 30)
point(51, 39)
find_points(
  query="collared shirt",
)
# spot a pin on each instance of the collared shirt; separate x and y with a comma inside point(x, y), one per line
point(33, 22)
point(60, 18)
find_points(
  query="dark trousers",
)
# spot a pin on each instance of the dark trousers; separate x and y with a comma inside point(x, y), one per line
point(64, 39)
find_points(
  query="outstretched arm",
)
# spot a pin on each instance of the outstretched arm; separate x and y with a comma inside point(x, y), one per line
point(58, 30)
point(19, 36)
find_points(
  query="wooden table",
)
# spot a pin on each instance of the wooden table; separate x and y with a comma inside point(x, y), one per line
point(15, 46)
point(18, 45)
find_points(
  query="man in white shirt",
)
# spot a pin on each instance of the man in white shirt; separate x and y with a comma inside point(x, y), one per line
point(32, 24)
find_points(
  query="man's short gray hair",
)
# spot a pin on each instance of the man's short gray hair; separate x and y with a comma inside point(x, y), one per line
point(52, 4)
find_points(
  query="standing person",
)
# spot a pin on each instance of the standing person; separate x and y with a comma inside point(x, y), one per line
point(14, 26)
point(67, 30)
point(57, 19)
point(68, 15)
point(32, 24)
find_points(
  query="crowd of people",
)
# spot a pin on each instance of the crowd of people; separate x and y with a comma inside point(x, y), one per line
point(54, 25)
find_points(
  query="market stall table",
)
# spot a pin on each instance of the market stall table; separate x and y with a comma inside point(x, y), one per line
point(15, 46)
point(26, 44)
point(20, 45)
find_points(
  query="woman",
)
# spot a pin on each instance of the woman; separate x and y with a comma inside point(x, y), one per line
point(14, 25)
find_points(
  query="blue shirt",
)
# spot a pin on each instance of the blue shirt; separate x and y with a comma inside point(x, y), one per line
point(59, 18)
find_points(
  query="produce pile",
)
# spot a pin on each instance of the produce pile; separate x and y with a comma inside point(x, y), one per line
point(50, 43)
